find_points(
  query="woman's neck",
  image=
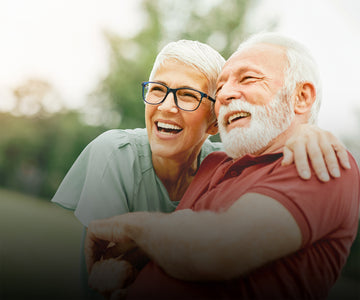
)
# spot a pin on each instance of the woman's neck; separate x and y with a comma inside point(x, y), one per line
point(176, 174)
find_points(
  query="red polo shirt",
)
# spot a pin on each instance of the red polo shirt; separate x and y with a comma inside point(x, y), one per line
point(327, 215)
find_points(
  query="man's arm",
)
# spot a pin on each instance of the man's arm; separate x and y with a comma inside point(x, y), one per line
point(204, 245)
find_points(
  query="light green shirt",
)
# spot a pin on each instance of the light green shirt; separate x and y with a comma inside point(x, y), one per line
point(114, 175)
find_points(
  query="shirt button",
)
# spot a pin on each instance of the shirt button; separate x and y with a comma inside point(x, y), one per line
point(233, 173)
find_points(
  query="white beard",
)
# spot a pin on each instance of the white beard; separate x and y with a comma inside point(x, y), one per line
point(267, 122)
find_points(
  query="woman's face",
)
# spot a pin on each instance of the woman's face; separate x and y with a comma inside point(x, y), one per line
point(174, 133)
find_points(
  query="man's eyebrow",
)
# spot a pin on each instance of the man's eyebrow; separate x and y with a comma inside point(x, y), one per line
point(241, 70)
point(247, 68)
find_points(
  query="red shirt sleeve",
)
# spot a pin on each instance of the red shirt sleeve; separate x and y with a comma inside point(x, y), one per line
point(318, 208)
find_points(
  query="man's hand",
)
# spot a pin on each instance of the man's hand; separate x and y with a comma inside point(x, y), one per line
point(323, 149)
point(107, 238)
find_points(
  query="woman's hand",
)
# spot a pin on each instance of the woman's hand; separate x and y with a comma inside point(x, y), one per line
point(323, 149)
point(111, 276)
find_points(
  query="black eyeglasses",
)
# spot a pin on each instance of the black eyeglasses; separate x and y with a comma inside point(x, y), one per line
point(185, 98)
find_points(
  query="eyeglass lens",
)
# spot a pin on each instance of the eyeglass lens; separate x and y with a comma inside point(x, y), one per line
point(187, 99)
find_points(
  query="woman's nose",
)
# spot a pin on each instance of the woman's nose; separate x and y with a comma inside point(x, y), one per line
point(168, 104)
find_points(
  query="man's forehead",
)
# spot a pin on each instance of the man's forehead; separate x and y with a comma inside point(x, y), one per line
point(261, 49)
point(257, 57)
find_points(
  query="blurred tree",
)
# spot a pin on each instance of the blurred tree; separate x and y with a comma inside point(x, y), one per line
point(36, 153)
point(36, 97)
point(220, 24)
point(41, 139)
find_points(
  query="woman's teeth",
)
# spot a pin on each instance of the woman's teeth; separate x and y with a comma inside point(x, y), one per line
point(168, 128)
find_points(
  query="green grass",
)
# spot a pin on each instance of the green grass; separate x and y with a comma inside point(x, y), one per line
point(39, 249)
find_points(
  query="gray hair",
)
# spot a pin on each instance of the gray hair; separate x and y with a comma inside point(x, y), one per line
point(194, 54)
point(301, 65)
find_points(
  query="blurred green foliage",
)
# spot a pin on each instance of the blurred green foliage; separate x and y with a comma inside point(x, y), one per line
point(131, 60)
point(38, 145)
point(36, 152)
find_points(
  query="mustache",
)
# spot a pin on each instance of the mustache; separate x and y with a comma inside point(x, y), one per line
point(236, 105)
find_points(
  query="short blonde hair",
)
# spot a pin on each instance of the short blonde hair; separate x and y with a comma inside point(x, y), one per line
point(196, 55)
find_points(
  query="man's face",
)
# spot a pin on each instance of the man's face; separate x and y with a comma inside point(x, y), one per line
point(251, 107)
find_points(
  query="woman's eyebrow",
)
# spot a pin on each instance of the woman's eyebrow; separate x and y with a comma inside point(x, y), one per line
point(179, 87)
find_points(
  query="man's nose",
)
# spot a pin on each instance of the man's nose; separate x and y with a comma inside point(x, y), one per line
point(169, 104)
point(229, 91)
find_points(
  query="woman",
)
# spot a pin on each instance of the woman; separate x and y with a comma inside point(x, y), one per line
point(136, 170)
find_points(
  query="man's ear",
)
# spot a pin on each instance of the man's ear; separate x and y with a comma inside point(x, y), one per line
point(213, 128)
point(304, 98)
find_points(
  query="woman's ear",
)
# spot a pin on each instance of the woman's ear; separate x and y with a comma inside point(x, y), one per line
point(304, 98)
point(213, 128)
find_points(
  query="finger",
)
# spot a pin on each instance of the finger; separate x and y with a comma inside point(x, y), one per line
point(93, 249)
point(94, 244)
point(88, 249)
point(288, 158)
point(301, 160)
point(330, 158)
point(317, 159)
point(100, 234)
point(342, 154)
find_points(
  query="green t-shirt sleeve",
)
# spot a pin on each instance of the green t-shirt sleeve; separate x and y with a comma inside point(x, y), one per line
point(209, 147)
point(102, 179)
point(114, 175)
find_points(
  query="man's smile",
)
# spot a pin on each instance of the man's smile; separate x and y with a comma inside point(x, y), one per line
point(237, 116)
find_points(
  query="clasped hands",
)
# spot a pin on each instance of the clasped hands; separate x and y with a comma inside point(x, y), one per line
point(113, 259)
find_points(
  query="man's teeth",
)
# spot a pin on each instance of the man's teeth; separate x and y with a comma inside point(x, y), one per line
point(238, 115)
point(168, 128)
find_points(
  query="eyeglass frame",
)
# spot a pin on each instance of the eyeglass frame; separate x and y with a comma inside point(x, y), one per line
point(170, 90)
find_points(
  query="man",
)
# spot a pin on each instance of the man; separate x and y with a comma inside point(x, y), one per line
point(247, 228)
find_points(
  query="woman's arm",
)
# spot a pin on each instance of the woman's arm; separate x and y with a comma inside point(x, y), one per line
point(321, 147)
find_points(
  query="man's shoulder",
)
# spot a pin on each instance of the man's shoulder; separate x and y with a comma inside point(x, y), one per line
point(353, 164)
point(215, 158)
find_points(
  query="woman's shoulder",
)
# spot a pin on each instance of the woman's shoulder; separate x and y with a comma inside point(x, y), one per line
point(210, 147)
point(124, 147)
point(119, 138)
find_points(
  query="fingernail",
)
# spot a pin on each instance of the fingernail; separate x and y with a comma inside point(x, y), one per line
point(324, 176)
point(347, 165)
point(305, 174)
point(335, 172)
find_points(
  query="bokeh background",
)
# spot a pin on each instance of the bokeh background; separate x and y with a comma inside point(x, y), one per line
point(71, 69)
